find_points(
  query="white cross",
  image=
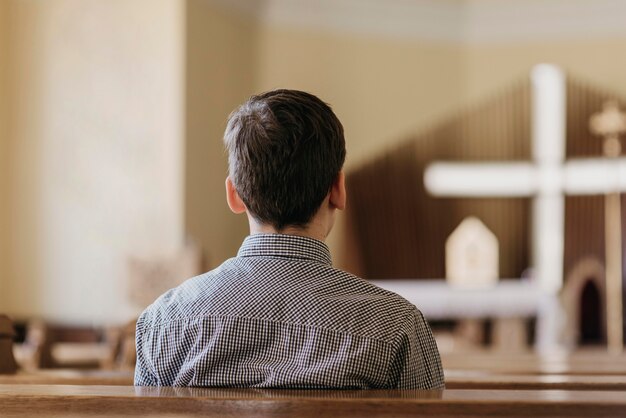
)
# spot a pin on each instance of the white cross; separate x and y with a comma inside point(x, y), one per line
point(547, 178)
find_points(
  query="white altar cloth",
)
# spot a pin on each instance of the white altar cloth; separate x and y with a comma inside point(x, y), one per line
point(510, 298)
point(438, 300)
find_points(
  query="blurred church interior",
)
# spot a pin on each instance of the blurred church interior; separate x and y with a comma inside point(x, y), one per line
point(112, 167)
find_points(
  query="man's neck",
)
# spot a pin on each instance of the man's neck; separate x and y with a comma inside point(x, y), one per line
point(313, 230)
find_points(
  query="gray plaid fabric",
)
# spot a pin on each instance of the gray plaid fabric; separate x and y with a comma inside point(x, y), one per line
point(280, 316)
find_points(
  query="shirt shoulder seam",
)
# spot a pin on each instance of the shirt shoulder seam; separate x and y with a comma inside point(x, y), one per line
point(389, 342)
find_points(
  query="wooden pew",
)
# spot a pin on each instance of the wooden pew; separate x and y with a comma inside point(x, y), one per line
point(120, 361)
point(596, 362)
point(99, 401)
point(491, 381)
point(583, 370)
point(7, 361)
point(70, 377)
point(41, 350)
point(592, 370)
point(454, 380)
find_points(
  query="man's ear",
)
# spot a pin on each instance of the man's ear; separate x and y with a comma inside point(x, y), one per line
point(338, 192)
point(232, 197)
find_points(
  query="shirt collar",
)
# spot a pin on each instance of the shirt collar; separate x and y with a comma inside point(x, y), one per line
point(285, 246)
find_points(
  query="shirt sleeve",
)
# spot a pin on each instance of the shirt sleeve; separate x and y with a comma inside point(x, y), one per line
point(416, 363)
point(143, 375)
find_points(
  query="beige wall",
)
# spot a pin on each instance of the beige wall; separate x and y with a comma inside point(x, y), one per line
point(4, 154)
point(600, 61)
point(97, 128)
point(220, 73)
point(381, 89)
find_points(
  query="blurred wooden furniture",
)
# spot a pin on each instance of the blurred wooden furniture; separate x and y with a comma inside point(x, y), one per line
point(49, 347)
point(582, 370)
point(7, 333)
point(497, 381)
point(98, 401)
point(36, 350)
point(122, 353)
point(590, 362)
point(69, 377)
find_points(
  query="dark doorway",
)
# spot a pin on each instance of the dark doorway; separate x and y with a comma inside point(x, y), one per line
point(591, 315)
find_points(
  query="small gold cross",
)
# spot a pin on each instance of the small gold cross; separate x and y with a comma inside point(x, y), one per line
point(609, 124)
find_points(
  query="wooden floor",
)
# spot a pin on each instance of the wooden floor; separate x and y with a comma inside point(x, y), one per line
point(101, 401)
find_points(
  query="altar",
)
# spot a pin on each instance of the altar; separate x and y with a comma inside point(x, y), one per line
point(439, 301)
point(509, 299)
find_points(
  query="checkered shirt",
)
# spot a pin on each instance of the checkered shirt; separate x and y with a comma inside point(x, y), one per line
point(280, 316)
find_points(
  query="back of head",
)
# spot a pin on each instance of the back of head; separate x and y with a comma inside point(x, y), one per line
point(285, 149)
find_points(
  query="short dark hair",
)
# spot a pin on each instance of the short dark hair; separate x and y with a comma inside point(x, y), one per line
point(285, 150)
